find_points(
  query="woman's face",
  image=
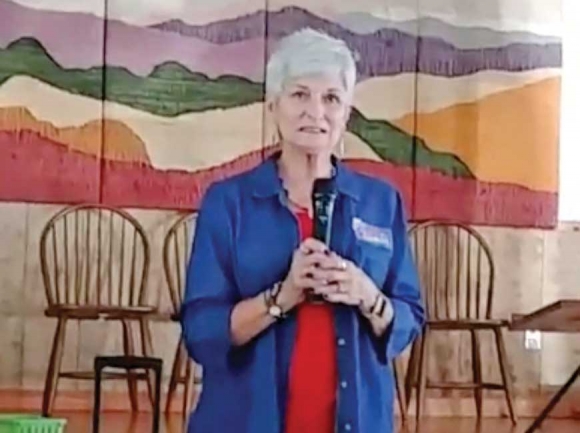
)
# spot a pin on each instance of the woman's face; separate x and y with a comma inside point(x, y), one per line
point(311, 113)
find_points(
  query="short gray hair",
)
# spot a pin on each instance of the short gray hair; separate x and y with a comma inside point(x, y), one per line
point(309, 52)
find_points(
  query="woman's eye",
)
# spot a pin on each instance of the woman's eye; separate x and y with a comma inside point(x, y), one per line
point(299, 94)
point(333, 99)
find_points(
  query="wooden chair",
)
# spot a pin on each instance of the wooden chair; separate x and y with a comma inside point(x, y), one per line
point(94, 261)
point(457, 277)
point(176, 251)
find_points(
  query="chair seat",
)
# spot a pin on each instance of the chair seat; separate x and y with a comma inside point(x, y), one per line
point(128, 362)
point(90, 375)
point(467, 324)
point(463, 385)
point(95, 313)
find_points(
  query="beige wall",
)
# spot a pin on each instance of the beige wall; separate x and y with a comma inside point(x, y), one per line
point(533, 268)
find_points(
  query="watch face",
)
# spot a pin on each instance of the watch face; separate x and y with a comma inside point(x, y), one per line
point(275, 311)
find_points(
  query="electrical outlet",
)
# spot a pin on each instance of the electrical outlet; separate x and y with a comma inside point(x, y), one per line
point(533, 340)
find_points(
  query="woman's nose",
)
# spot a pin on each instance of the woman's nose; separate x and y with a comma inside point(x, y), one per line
point(315, 108)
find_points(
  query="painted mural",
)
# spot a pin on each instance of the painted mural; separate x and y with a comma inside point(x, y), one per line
point(144, 106)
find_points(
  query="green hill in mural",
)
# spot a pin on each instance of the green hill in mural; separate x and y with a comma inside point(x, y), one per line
point(395, 145)
point(171, 89)
point(28, 57)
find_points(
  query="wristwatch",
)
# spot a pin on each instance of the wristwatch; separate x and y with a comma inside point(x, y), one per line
point(271, 300)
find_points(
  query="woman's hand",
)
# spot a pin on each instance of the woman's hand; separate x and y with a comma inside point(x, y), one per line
point(340, 281)
point(310, 256)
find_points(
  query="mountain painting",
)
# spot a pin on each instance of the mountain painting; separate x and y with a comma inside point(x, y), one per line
point(145, 107)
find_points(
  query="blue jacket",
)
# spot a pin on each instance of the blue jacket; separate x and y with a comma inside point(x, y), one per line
point(244, 240)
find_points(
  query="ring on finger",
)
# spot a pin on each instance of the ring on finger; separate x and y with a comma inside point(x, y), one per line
point(343, 265)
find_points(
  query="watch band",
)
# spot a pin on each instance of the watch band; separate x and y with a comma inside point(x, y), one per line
point(271, 300)
point(275, 290)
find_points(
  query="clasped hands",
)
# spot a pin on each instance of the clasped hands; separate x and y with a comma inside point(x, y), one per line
point(338, 280)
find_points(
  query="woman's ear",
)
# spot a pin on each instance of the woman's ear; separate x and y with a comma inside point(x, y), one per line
point(348, 113)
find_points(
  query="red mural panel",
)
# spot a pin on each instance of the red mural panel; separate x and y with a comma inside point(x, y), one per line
point(51, 135)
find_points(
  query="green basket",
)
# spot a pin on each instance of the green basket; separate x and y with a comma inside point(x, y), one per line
point(23, 423)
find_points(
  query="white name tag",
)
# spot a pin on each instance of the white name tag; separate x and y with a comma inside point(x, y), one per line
point(366, 232)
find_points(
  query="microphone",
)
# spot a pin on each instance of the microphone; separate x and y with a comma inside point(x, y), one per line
point(323, 198)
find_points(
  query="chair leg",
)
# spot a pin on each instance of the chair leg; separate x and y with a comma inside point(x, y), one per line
point(157, 400)
point(54, 365)
point(412, 370)
point(197, 382)
point(477, 374)
point(505, 374)
point(175, 374)
point(147, 345)
point(400, 383)
point(422, 380)
point(129, 349)
point(98, 370)
point(188, 388)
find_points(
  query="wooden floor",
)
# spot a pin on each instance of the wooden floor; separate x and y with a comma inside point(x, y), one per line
point(126, 423)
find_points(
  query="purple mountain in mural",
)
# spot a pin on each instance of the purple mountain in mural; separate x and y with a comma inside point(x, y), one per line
point(136, 48)
point(141, 49)
point(74, 39)
point(460, 37)
point(384, 52)
point(236, 47)
point(226, 31)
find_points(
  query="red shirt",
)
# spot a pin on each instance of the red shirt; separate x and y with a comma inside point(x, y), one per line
point(313, 375)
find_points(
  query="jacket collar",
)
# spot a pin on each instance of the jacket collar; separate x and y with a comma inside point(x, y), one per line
point(267, 183)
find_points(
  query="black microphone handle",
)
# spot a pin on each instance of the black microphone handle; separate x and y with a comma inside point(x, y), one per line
point(323, 199)
point(323, 207)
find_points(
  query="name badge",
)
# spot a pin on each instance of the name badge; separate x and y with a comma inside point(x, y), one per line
point(366, 232)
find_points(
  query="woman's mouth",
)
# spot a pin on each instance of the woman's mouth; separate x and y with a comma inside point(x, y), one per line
point(313, 130)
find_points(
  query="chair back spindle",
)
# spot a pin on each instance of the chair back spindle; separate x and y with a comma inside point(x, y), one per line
point(176, 251)
point(456, 270)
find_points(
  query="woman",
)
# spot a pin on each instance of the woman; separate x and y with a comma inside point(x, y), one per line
point(274, 361)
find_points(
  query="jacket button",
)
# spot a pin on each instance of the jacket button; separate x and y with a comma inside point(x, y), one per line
point(343, 384)
point(341, 342)
point(347, 427)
